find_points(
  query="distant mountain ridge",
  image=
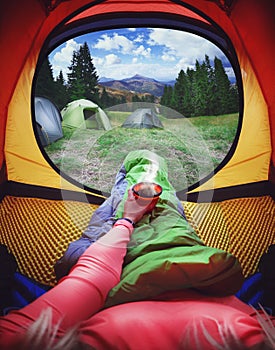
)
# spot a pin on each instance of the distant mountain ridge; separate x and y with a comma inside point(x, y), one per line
point(138, 84)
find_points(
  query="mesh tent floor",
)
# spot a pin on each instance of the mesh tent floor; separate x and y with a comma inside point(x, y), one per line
point(38, 231)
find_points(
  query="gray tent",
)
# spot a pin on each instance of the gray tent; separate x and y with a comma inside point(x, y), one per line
point(142, 118)
point(48, 121)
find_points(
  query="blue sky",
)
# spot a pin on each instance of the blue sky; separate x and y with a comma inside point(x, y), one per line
point(156, 53)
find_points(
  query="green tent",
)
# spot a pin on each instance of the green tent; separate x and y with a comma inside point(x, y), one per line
point(142, 118)
point(85, 114)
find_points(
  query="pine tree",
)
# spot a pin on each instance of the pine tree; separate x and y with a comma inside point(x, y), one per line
point(62, 97)
point(167, 98)
point(148, 98)
point(122, 100)
point(222, 88)
point(83, 79)
point(233, 99)
point(163, 99)
point(136, 98)
point(179, 93)
point(210, 89)
point(45, 85)
point(104, 99)
point(189, 95)
point(200, 87)
point(60, 79)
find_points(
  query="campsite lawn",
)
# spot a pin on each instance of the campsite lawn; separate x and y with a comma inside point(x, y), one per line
point(192, 147)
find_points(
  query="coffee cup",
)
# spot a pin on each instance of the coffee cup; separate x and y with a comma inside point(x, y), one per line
point(147, 191)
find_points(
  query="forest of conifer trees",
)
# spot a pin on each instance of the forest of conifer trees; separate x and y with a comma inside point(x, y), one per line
point(204, 90)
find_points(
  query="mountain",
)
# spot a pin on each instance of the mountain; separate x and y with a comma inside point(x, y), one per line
point(122, 94)
point(137, 84)
point(169, 83)
point(104, 80)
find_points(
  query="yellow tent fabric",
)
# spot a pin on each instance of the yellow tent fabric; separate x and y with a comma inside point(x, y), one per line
point(243, 227)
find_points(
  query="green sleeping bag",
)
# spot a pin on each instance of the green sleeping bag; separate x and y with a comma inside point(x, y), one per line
point(165, 254)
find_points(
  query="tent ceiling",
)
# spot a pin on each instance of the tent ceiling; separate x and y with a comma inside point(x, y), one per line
point(150, 19)
point(179, 17)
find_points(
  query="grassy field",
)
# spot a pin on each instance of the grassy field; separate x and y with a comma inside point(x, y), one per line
point(192, 147)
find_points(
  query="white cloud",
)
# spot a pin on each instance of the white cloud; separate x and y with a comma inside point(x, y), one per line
point(142, 51)
point(230, 72)
point(123, 45)
point(112, 59)
point(184, 64)
point(98, 61)
point(183, 45)
point(168, 58)
point(62, 59)
point(115, 42)
point(139, 39)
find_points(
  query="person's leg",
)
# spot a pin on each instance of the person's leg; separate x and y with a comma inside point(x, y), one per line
point(100, 223)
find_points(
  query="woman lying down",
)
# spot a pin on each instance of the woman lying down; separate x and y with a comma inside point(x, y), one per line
point(104, 304)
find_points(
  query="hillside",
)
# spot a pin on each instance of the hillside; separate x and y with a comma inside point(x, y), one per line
point(136, 84)
point(119, 93)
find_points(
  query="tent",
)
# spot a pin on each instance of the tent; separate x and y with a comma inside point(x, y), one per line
point(84, 114)
point(48, 121)
point(233, 208)
point(142, 118)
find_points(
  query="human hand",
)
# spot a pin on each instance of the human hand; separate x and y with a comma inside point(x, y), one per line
point(135, 208)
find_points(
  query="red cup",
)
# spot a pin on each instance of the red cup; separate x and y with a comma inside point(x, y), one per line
point(147, 194)
point(147, 190)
